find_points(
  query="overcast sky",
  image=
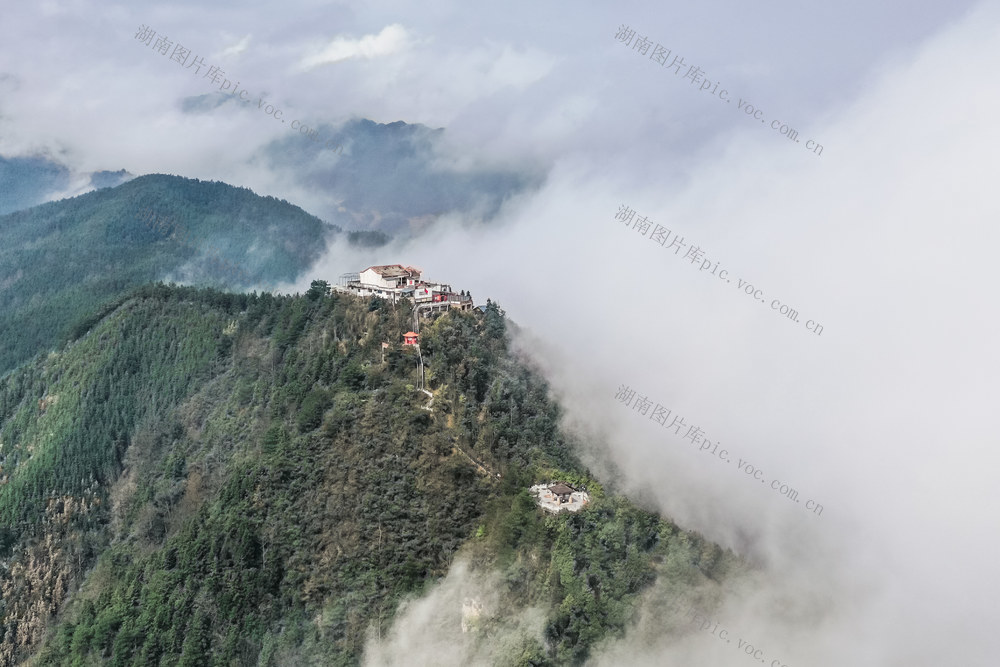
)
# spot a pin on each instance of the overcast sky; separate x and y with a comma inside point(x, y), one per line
point(886, 239)
point(516, 82)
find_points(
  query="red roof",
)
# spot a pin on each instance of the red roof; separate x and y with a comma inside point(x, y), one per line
point(410, 333)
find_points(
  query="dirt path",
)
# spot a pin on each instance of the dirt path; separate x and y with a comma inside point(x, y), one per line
point(479, 466)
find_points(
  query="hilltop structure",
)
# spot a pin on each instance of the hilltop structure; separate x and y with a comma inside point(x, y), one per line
point(396, 282)
point(558, 496)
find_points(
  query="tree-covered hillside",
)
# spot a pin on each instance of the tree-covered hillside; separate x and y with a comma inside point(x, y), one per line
point(204, 478)
point(59, 261)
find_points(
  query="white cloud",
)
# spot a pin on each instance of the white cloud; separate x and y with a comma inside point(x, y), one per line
point(392, 39)
point(237, 48)
point(429, 630)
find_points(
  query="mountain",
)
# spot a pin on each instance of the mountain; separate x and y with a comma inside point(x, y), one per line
point(392, 177)
point(213, 478)
point(61, 260)
point(109, 179)
point(32, 180)
point(29, 181)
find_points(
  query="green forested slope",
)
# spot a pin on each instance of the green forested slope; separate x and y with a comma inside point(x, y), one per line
point(58, 261)
point(218, 479)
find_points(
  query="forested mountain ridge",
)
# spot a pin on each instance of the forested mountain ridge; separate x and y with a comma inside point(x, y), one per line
point(203, 478)
point(59, 261)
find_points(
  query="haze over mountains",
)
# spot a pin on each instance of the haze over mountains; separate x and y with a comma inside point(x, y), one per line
point(392, 177)
point(388, 180)
point(387, 177)
point(29, 181)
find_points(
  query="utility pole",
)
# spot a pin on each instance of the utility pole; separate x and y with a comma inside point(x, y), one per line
point(421, 358)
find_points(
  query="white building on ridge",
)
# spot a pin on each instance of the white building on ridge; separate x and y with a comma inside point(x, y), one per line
point(396, 282)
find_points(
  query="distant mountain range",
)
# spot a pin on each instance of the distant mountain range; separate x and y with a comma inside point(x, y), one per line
point(386, 177)
point(390, 177)
point(29, 181)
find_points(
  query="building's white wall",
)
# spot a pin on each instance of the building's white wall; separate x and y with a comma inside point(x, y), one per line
point(372, 277)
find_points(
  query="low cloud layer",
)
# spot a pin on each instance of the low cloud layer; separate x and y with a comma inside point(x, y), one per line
point(886, 239)
point(463, 621)
point(520, 83)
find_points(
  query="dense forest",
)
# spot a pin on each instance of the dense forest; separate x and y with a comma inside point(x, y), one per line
point(205, 478)
point(60, 261)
